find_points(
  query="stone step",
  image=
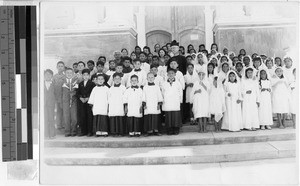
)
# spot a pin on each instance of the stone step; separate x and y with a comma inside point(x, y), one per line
point(169, 155)
point(183, 139)
point(210, 127)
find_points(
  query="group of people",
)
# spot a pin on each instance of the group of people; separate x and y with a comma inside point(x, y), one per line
point(152, 93)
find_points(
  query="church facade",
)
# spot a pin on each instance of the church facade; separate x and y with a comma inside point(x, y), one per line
point(84, 31)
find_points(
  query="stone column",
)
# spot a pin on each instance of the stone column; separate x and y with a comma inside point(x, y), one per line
point(209, 37)
point(141, 27)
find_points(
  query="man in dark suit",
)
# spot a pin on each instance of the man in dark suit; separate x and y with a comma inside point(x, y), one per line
point(84, 109)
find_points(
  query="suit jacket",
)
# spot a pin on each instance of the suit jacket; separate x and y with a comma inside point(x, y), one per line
point(69, 91)
point(85, 91)
point(58, 80)
point(49, 96)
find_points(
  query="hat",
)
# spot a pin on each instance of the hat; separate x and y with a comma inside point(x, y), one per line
point(174, 43)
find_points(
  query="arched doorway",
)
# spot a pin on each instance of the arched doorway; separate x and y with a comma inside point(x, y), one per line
point(157, 36)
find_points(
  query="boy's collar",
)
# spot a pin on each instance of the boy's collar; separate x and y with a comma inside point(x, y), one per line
point(171, 79)
point(117, 85)
point(134, 86)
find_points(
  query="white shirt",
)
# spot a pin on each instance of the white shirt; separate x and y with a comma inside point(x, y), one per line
point(152, 96)
point(134, 98)
point(179, 77)
point(146, 67)
point(99, 100)
point(115, 101)
point(172, 95)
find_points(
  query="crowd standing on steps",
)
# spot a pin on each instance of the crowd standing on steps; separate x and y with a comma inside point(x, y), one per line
point(154, 93)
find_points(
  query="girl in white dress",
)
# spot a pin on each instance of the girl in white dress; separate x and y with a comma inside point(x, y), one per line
point(200, 99)
point(280, 97)
point(232, 120)
point(239, 69)
point(247, 62)
point(223, 72)
point(201, 64)
point(211, 72)
point(265, 106)
point(214, 60)
point(258, 65)
point(217, 103)
point(270, 67)
point(250, 105)
point(190, 78)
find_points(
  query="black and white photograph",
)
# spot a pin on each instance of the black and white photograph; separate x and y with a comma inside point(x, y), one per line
point(151, 93)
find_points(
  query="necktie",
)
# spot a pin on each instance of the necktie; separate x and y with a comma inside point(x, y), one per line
point(70, 84)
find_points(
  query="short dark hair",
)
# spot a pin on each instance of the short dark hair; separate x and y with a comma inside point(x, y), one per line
point(90, 61)
point(60, 62)
point(48, 71)
point(126, 58)
point(136, 60)
point(146, 47)
point(102, 75)
point(85, 71)
point(110, 61)
point(116, 74)
point(154, 66)
point(100, 63)
point(75, 63)
point(101, 57)
point(155, 56)
point(173, 60)
point(190, 64)
point(143, 53)
point(134, 76)
point(277, 58)
point(124, 49)
point(188, 56)
point(81, 62)
point(94, 76)
point(119, 65)
point(171, 69)
point(257, 59)
point(239, 63)
point(68, 68)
